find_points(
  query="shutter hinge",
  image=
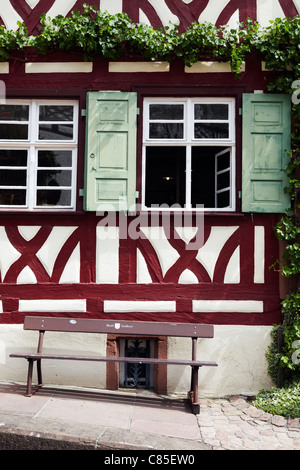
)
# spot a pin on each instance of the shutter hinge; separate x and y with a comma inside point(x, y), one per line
point(81, 192)
point(240, 194)
point(240, 111)
point(137, 193)
point(83, 112)
point(138, 111)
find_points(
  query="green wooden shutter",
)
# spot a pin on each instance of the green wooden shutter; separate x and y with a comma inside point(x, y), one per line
point(110, 169)
point(266, 141)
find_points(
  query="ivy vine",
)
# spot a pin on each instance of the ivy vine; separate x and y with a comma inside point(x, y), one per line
point(98, 33)
point(94, 32)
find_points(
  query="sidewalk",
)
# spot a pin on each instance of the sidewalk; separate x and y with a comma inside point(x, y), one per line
point(62, 418)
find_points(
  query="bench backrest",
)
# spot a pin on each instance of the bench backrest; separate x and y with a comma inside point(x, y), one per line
point(84, 325)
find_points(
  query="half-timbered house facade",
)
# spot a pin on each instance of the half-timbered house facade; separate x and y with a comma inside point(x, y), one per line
point(143, 190)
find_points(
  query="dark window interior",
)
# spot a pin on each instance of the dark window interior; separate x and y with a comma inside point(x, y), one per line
point(166, 176)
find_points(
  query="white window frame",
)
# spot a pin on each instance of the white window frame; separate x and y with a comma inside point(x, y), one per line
point(190, 141)
point(33, 145)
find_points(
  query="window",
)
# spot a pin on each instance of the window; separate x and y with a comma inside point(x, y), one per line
point(38, 154)
point(188, 157)
point(189, 153)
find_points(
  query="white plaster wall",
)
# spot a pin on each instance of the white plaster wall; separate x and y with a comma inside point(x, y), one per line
point(240, 354)
point(238, 350)
point(91, 374)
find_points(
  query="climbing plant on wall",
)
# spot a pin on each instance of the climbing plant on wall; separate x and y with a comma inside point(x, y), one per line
point(97, 33)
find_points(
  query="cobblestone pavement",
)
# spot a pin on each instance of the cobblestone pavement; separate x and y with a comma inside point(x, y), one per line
point(235, 424)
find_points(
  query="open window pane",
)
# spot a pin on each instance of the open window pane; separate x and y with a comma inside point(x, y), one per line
point(223, 160)
point(205, 180)
point(223, 180)
point(203, 176)
point(165, 176)
point(223, 199)
point(223, 177)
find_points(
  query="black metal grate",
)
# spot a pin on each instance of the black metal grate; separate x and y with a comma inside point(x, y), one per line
point(137, 375)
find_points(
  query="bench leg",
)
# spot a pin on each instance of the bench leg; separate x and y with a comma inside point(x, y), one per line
point(29, 391)
point(193, 395)
point(39, 372)
point(29, 378)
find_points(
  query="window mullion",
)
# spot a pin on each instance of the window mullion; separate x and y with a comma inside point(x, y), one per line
point(32, 174)
point(31, 188)
point(188, 177)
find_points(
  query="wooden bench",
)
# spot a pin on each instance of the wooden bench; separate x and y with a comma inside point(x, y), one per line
point(120, 327)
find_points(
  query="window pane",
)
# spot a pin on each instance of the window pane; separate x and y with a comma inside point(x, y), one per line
point(13, 177)
point(203, 176)
point(13, 157)
point(16, 197)
point(166, 111)
point(13, 131)
point(212, 130)
point(165, 176)
point(55, 158)
point(54, 178)
point(56, 113)
point(56, 132)
point(166, 131)
point(53, 197)
point(223, 199)
point(11, 112)
point(211, 111)
point(223, 180)
point(223, 161)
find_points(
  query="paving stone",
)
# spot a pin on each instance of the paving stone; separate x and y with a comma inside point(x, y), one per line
point(249, 444)
point(206, 421)
point(254, 412)
point(266, 416)
point(279, 421)
point(294, 423)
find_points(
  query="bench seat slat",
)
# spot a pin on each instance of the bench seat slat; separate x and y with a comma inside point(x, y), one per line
point(135, 360)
